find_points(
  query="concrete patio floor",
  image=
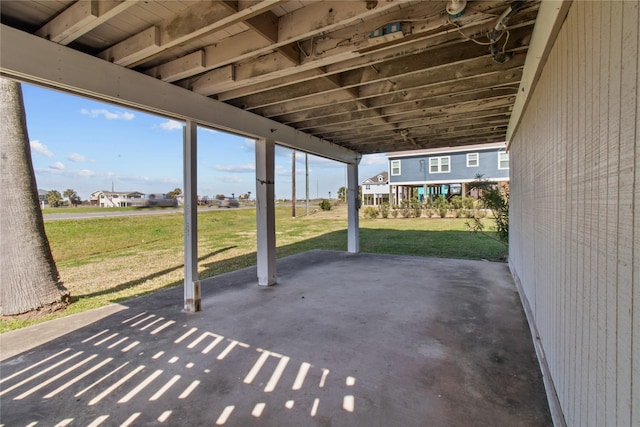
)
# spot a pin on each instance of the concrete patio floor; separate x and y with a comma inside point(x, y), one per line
point(342, 340)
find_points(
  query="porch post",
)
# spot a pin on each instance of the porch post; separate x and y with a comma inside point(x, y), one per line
point(353, 205)
point(191, 283)
point(265, 212)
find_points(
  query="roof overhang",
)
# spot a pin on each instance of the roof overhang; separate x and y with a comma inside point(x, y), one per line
point(334, 78)
point(35, 60)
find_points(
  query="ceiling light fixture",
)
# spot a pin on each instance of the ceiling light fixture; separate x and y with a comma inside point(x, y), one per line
point(455, 8)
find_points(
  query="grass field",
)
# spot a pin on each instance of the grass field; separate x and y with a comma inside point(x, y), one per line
point(107, 260)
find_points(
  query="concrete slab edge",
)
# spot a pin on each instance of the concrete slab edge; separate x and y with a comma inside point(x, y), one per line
point(557, 415)
point(13, 343)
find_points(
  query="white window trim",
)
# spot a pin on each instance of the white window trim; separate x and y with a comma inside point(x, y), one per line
point(499, 154)
point(399, 168)
point(477, 160)
point(439, 159)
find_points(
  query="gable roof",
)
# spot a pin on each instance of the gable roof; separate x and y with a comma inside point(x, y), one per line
point(375, 180)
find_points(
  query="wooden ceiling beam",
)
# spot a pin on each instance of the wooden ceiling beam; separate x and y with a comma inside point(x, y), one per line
point(493, 114)
point(497, 131)
point(460, 86)
point(421, 108)
point(198, 20)
point(342, 132)
point(80, 18)
point(436, 66)
point(252, 82)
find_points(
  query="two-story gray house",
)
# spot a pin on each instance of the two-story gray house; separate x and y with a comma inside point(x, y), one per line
point(416, 174)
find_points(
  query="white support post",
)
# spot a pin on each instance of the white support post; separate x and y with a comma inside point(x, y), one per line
point(191, 283)
point(265, 212)
point(353, 205)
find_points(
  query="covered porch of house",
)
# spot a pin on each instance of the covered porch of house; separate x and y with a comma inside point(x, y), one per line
point(343, 339)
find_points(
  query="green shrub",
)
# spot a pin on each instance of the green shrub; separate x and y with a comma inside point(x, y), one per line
point(325, 205)
point(416, 207)
point(458, 213)
point(441, 206)
point(405, 209)
point(456, 202)
point(394, 213)
point(429, 213)
point(384, 210)
point(370, 212)
point(494, 199)
point(468, 203)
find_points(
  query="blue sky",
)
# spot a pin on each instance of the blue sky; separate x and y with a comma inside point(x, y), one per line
point(87, 146)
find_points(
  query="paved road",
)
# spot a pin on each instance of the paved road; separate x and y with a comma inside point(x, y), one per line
point(107, 213)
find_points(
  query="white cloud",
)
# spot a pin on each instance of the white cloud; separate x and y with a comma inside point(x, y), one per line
point(280, 170)
point(171, 125)
point(40, 148)
point(57, 166)
point(235, 168)
point(109, 115)
point(249, 145)
point(78, 158)
point(231, 179)
point(374, 159)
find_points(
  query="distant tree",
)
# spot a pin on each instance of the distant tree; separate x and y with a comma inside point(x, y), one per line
point(219, 196)
point(72, 196)
point(29, 279)
point(342, 193)
point(54, 198)
point(174, 194)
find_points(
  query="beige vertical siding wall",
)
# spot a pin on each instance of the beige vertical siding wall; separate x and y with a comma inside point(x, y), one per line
point(575, 213)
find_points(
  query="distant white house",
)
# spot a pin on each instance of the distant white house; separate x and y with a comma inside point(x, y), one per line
point(114, 199)
point(42, 197)
point(375, 190)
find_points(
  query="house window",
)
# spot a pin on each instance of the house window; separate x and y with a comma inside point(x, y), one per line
point(473, 160)
point(439, 164)
point(395, 167)
point(380, 178)
point(367, 187)
point(503, 160)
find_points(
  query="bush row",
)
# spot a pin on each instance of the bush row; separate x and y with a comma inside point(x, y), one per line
point(456, 206)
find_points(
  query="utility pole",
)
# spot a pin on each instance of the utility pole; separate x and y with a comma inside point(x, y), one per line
point(306, 174)
point(293, 183)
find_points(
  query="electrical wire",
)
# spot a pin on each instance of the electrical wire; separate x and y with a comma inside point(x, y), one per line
point(504, 46)
point(472, 39)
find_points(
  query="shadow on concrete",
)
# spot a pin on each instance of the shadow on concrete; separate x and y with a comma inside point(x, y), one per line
point(151, 276)
point(444, 244)
point(343, 340)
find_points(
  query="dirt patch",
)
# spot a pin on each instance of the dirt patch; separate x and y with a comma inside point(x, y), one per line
point(339, 211)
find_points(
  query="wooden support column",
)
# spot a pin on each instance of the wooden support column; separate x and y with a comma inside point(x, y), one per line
point(191, 283)
point(265, 212)
point(353, 206)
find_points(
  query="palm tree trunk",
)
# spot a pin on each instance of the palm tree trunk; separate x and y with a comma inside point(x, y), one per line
point(29, 278)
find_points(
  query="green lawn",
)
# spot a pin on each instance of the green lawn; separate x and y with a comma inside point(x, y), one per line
point(106, 260)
